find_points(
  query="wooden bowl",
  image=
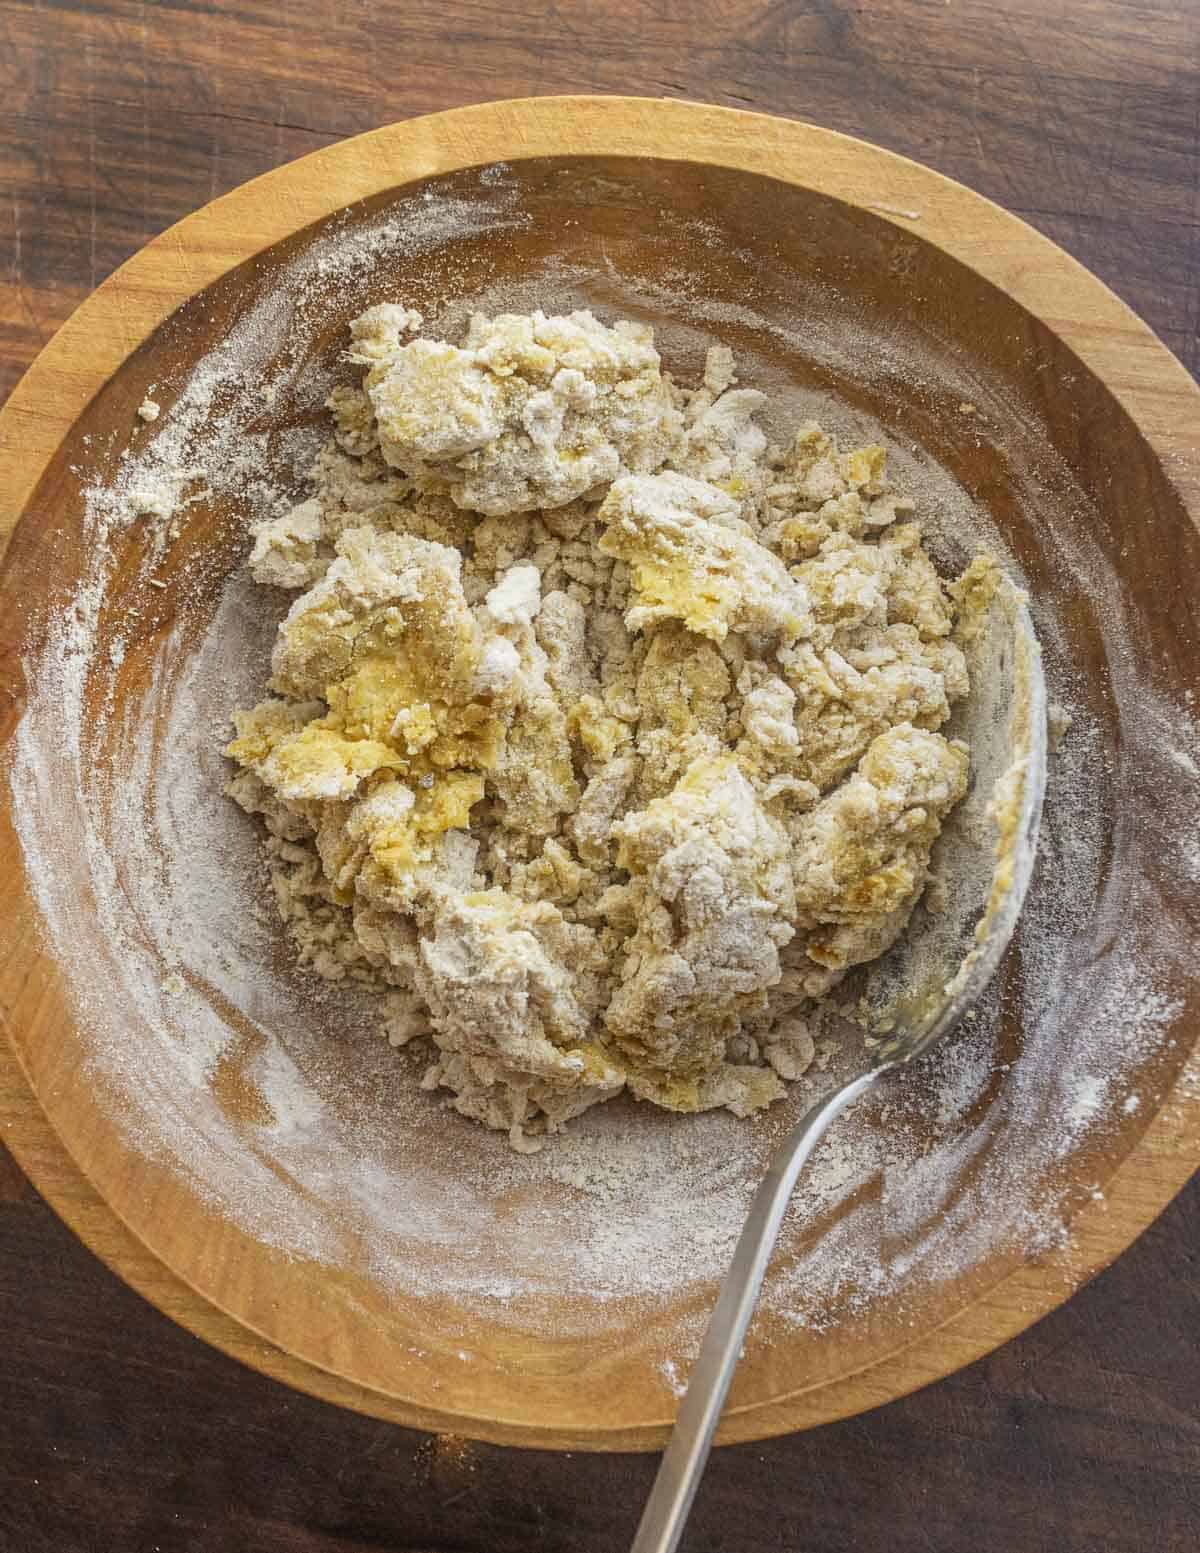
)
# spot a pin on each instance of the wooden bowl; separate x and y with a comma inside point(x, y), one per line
point(273, 1180)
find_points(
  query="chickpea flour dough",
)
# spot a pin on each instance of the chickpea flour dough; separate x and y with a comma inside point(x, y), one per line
point(602, 737)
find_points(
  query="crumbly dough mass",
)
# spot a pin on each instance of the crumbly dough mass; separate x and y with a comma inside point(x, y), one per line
point(602, 736)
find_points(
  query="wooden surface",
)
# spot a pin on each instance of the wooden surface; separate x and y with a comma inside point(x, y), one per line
point(1074, 1484)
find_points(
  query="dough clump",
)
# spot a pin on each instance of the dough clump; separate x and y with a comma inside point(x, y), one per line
point(602, 733)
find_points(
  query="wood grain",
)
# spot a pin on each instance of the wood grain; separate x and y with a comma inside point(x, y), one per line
point(122, 118)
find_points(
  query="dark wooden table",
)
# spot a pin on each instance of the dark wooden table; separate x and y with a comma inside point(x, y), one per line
point(120, 1432)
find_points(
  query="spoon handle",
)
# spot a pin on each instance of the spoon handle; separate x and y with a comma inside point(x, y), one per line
point(683, 1462)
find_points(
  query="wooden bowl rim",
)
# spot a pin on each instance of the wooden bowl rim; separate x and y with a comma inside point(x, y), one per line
point(1150, 385)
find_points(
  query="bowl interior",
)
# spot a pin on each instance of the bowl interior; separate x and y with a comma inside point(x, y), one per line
point(247, 1121)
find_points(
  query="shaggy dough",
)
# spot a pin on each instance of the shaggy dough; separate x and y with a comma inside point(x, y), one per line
point(527, 413)
point(602, 735)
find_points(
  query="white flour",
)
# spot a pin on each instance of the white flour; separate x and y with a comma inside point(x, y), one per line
point(342, 1159)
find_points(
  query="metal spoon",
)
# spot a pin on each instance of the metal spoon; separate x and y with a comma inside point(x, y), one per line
point(1006, 658)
